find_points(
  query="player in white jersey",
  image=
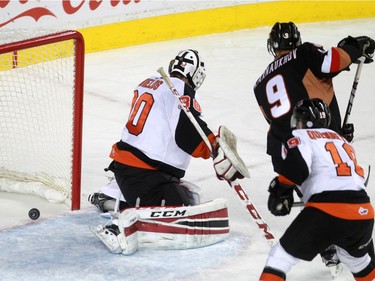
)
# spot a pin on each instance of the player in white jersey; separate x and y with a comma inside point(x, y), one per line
point(158, 140)
point(337, 208)
point(150, 160)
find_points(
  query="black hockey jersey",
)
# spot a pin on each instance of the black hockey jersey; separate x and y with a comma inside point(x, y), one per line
point(305, 72)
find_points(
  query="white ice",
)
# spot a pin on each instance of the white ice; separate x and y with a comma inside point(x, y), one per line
point(60, 246)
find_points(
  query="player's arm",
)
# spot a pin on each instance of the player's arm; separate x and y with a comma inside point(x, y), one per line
point(186, 135)
point(190, 141)
point(293, 170)
point(325, 63)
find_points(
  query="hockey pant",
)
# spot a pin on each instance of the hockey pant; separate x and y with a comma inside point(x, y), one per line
point(311, 232)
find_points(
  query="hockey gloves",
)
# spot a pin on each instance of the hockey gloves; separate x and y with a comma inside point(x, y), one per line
point(224, 168)
point(280, 199)
point(228, 164)
point(348, 132)
point(359, 46)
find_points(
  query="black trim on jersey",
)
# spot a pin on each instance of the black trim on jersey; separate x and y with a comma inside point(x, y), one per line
point(293, 167)
point(342, 196)
point(187, 137)
point(154, 163)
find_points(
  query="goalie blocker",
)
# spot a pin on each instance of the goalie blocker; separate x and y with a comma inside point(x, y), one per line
point(167, 227)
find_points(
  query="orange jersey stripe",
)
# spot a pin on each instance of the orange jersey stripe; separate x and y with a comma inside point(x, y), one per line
point(202, 150)
point(270, 277)
point(347, 211)
point(127, 158)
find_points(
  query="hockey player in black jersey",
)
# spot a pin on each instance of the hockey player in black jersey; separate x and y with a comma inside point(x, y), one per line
point(299, 71)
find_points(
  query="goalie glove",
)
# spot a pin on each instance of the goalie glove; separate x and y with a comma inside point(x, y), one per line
point(224, 168)
point(228, 164)
point(280, 199)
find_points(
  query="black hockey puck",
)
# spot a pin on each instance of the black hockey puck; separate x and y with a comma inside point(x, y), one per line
point(34, 214)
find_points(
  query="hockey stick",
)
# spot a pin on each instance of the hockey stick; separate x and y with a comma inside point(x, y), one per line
point(354, 89)
point(234, 184)
point(368, 175)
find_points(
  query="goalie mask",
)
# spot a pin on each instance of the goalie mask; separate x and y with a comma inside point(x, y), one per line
point(283, 36)
point(310, 113)
point(189, 64)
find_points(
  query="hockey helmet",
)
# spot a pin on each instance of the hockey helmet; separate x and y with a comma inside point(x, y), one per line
point(310, 113)
point(189, 64)
point(283, 36)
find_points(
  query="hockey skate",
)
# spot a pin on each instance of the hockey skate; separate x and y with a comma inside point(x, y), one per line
point(101, 201)
point(331, 260)
point(108, 235)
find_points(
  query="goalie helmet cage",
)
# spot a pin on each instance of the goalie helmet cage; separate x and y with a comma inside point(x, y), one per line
point(41, 104)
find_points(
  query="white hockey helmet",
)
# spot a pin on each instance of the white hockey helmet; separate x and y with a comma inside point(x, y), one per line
point(189, 64)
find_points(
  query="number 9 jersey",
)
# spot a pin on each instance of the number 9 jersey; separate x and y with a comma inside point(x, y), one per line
point(304, 72)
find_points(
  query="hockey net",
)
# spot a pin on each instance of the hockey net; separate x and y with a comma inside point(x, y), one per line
point(41, 101)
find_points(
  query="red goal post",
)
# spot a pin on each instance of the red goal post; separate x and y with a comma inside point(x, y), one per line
point(41, 115)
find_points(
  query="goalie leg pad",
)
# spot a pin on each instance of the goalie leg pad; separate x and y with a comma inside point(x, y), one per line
point(179, 227)
point(128, 225)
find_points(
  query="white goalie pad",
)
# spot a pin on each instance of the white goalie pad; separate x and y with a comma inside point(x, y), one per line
point(167, 227)
point(228, 143)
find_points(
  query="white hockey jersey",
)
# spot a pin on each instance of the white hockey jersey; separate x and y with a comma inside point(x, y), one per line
point(158, 134)
point(320, 160)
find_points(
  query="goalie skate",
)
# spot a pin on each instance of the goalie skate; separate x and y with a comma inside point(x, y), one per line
point(108, 235)
point(101, 201)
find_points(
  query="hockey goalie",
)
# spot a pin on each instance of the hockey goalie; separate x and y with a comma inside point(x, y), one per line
point(170, 227)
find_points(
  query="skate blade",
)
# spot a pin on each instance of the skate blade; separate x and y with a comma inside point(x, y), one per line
point(336, 270)
point(107, 240)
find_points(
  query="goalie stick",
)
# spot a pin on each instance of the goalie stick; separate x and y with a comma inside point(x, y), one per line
point(236, 187)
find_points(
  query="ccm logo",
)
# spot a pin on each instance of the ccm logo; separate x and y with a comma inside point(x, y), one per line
point(172, 213)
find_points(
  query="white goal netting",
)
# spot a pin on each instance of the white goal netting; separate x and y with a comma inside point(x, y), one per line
point(38, 115)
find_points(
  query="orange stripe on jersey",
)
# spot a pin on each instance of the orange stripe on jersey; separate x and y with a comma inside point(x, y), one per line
point(127, 158)
point(270, 277)
point(347, 211)
point(369, 277)
point(202, 151)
